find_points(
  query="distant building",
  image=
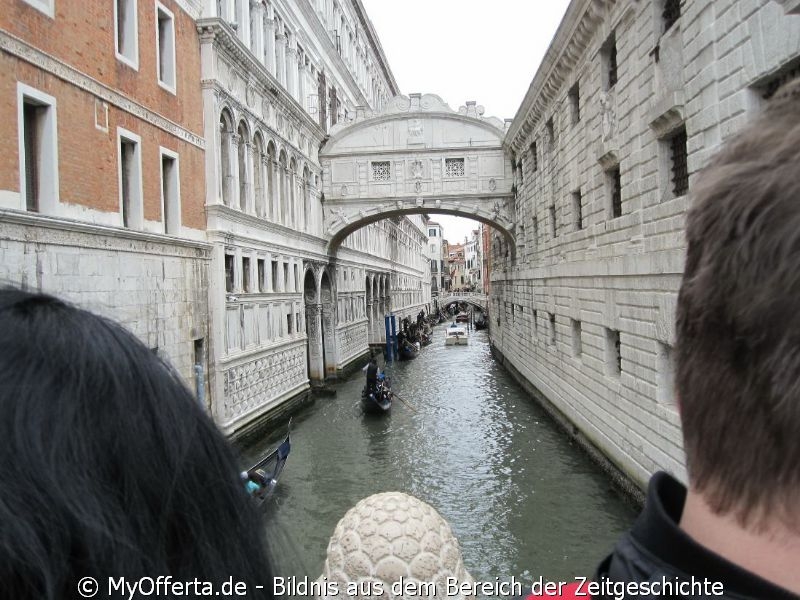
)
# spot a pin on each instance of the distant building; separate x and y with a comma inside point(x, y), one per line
point(486, 258)
point(435, 256)
point(456, 264)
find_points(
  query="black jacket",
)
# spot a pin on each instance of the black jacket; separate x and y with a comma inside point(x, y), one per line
point(657, 550)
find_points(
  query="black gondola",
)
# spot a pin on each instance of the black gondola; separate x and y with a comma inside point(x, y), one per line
point(480, 321)
point(377, 400)
point(408, 351)
point(265, 473)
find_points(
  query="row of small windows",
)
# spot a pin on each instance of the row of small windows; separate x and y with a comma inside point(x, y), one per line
point(678, 175)
point(39, 166)
point(665, 368)
point(279, 278)
point(126, 40)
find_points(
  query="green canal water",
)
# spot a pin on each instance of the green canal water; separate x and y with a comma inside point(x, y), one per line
point(522, 499)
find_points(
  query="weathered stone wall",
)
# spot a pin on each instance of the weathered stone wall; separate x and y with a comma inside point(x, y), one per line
point(583, 274)
point(154, 286)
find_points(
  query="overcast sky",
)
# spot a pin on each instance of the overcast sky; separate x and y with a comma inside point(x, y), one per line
point(466, 50)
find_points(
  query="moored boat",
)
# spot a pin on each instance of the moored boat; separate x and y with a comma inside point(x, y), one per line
point(480, 321)
point(265, 473)
point(408, 351)
point(455, 335)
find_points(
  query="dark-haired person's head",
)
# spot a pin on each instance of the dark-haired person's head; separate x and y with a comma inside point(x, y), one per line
point(738, 323)
point(108, 465)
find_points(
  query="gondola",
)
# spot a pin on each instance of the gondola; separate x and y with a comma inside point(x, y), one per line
point(480, 321)
point(268, 469)
point(377, 400)
point(408, 351)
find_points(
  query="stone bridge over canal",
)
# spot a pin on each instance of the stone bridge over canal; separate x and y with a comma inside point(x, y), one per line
point(416, 156)
point(473, 298)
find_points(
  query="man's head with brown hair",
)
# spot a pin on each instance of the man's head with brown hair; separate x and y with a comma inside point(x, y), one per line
point(738, 322)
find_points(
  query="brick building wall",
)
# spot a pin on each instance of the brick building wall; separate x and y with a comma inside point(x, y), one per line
point(60, 61)
point(585, 313)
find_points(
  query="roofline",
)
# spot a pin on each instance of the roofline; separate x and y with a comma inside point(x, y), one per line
point(373, 36)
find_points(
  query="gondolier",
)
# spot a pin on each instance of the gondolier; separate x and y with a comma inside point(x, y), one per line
point(372, 370)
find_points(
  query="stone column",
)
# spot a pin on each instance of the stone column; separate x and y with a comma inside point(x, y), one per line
point(291, 69)
point(235, 203)
point(249, 201)
point(280, 59)
point(257, 27)
point(268, 57)
point(243, 22)
point(268, 273)
point(265, 167)
point(316, 369)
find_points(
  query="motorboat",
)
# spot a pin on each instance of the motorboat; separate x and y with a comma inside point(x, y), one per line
point(455, 335)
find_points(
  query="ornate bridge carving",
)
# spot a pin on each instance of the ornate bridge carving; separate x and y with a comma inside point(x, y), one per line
point(416, 156)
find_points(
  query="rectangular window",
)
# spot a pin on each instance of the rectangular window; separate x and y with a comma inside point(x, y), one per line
point(453, 167)
point(553, 227)
point(170, 192)
point(431, 233)
point(535, 232)
point(289, 323)
point(665, 374)
point(261, 266)
point(165, 45)
point(678, 163)
point(577, 346)
point(126, 32)
point(534, 158)
point(246, 274)
point(285, 277)
point(275, 276)
point(298, 323)
point(32, 117)
point(608, 57)
point(575, 103)
point(552, 318)
point(535, 322)
point(130, 179)
point(577, 209)
point(551, 134)
point(45, 6)
point(613, 353)
point(38, 149)
point(381, 171)
point(229, 273)
point(614, 191)
point(671, 13)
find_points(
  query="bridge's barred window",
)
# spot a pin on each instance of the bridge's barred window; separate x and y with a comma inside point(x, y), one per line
point(381, 171)
point(552, 329)
point(535, 232)
point(678, 162)
point(613, 353)
point(553, 225)
point(535, 322)
point(453, 167)
point(671, 13)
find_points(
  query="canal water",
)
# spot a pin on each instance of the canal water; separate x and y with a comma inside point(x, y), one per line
point(521, 498)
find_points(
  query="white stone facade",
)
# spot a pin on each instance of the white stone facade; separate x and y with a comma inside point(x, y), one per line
point(586, 311)
point(275, 76)
point(155, 287)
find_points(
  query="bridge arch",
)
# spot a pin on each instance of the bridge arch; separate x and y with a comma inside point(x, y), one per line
point(416, 156)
